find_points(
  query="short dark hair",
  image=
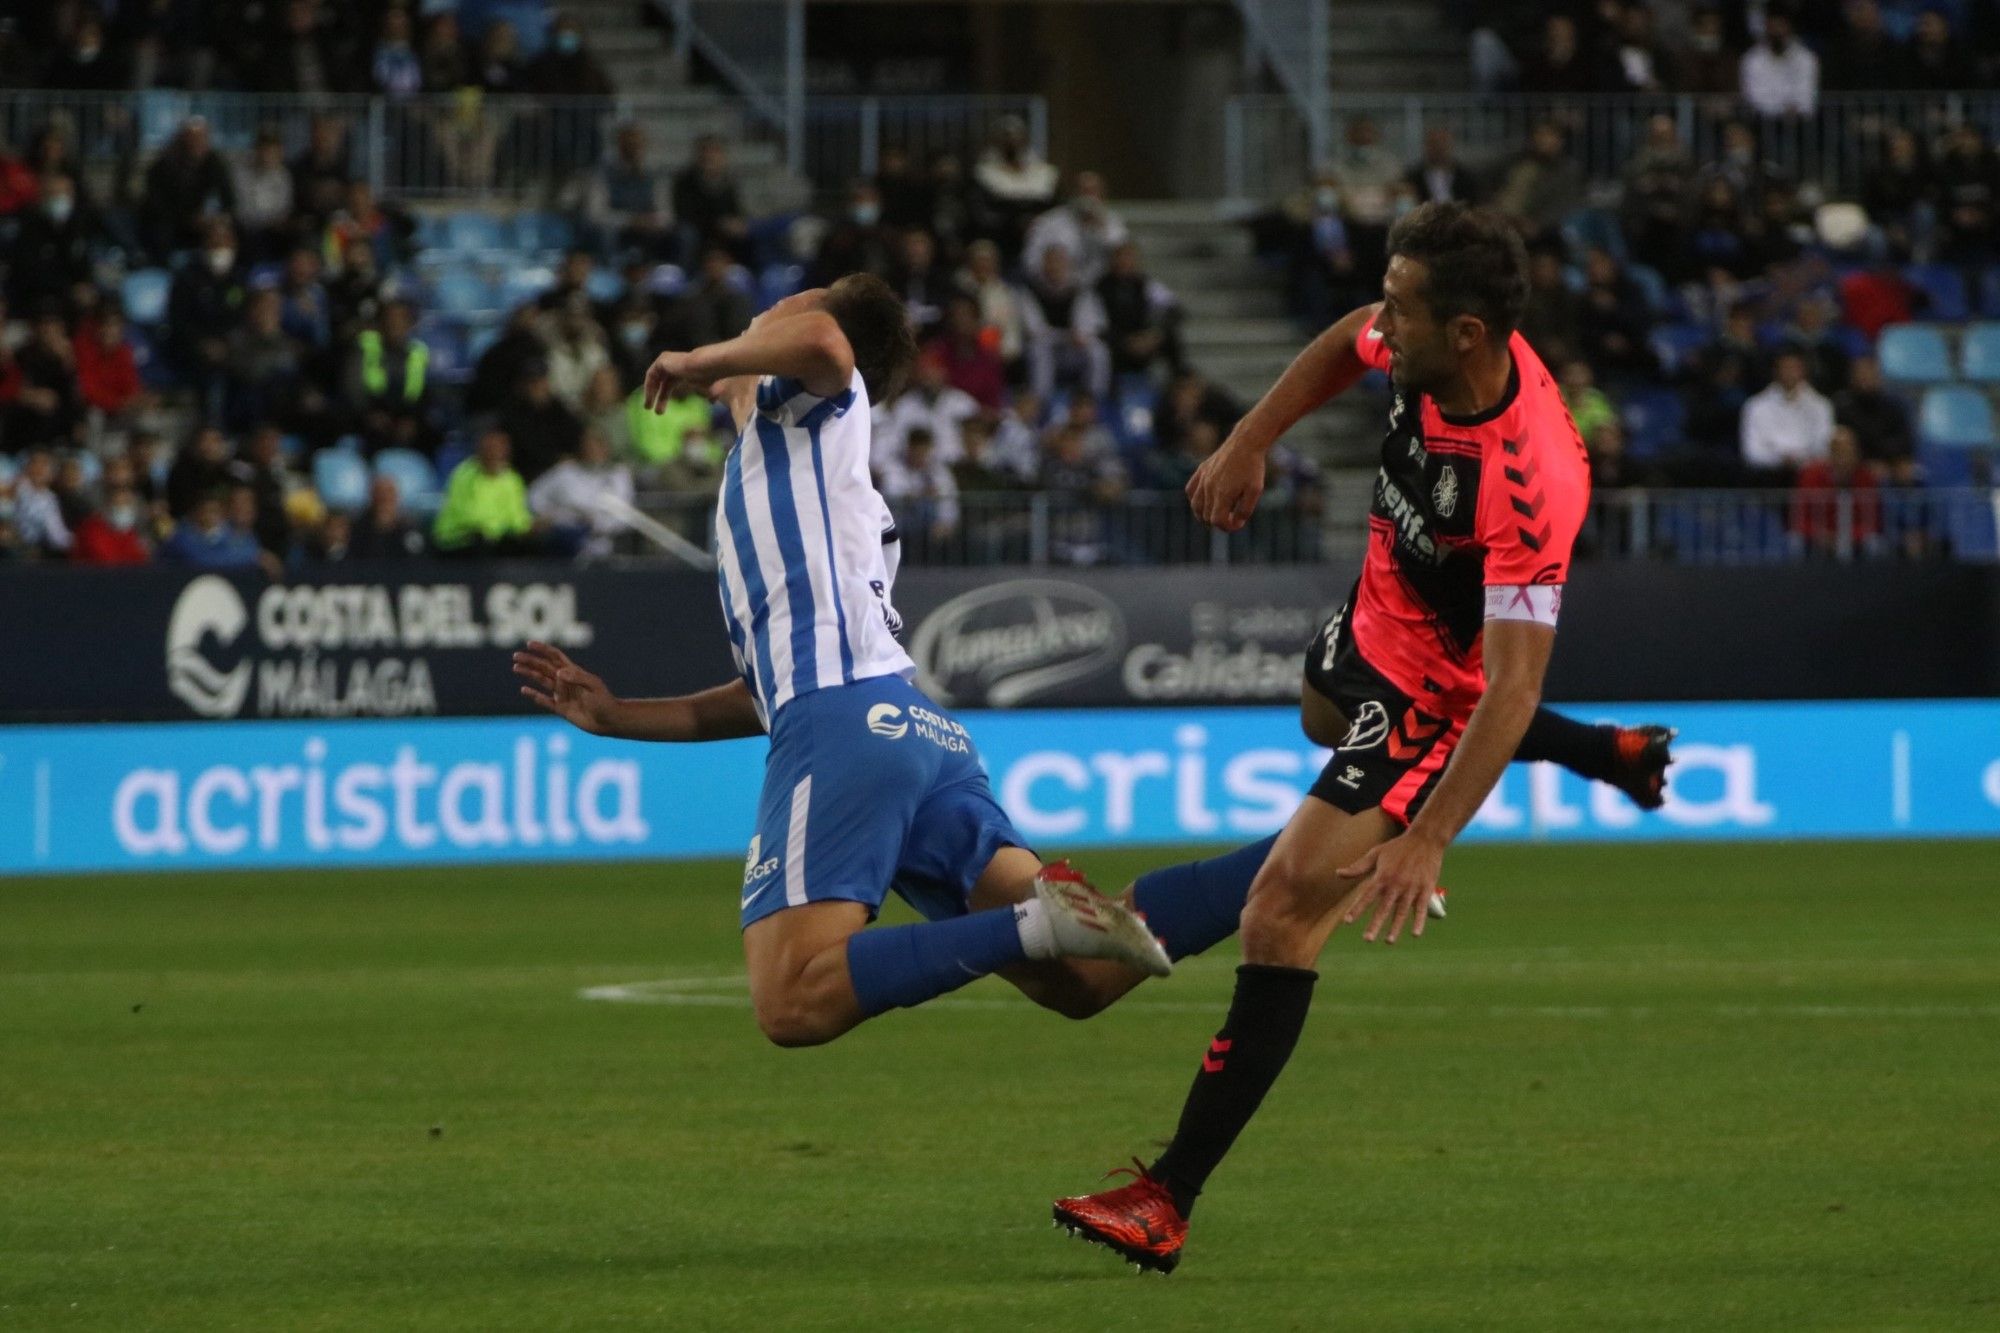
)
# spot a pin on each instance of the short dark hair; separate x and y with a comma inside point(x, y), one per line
point(1476, 261)
point(877, 327)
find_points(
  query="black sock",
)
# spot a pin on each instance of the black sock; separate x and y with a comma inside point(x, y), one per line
point(1241, 1065)
point(1583, 749)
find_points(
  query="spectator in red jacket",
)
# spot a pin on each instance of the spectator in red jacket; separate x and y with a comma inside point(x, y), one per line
point(1842, 479)
point(107, 372)
point(970, 353)
point(115, 533)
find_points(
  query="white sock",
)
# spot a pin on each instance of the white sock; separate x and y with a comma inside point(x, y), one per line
point(1038, 936)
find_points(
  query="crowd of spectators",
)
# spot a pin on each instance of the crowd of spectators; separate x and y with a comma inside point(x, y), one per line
point(1728, 306)
point(1776, 55)
point(299, 319)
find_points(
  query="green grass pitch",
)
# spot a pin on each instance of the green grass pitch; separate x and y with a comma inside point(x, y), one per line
point(1743, 1087)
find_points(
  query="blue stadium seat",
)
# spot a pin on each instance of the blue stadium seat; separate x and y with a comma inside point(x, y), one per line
point(479, 340)
point(464, 293)
point(9, 469)
point(341, 478)
point(1914, 354)
point(1133, 405)
point(431, 232)
point(1594, 228)
point(1677, 345)
point(1979, 354)
point(154, 370)
point(414, 476)
point(544, 232)
point(144, 295)
point(604, 286)
point(1944, 467)
point(1970, 527)
point(778, 281)
point(1989, 293)
point(1956, 417)
point(455, 450)
point(450, 360)
point(1659, 296)
point(470, 232)
point(1944, 291)
point(525, 284)
point(1654, 420)
point(667, 280)
point(89, 465)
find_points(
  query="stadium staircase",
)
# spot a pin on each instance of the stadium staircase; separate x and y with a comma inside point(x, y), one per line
point(1394, 46)
point(640, 59)
point(1237, 331)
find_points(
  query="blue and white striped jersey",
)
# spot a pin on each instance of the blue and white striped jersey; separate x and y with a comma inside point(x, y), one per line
point(806, 549)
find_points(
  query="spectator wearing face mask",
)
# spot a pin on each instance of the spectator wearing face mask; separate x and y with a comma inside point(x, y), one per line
point(84, 64)
point(708, 203)
point(107, 370)
point(115, 533)
point(52, 250)
point(1013, 183)
point(264, 197)
point(47, 409)
point(1064, 323)
point(203, 306)
point(856, 241)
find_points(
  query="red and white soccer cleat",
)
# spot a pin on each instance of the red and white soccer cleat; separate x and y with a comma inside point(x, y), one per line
point(1086, 924)
point(1138, 1221)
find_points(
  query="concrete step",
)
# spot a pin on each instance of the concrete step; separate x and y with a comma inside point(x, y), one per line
point(1269, 332)
point(1204, 303)
point(1210, 241)
point(1185, 275)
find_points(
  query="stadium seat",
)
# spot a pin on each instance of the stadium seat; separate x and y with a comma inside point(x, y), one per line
point(1659, 297)
point(1677, 345)
point(9, 469)
point(89, 464)
point(471, 232)
point(1943, 289)
point(667, 280)
point(431, 232)
point(450, 358)
point(463, 293)
point(1914, 354)
point(604, 286)
point(341, 478)
point(544, 233)
point(414, 476)
point(145, 295)
point(1979, 354)
point(525, 284)
point(1989, 293)
point(1955, 417)
point(1944, 467)
point(1654, 419)
point(778, 281)
point(265, 276)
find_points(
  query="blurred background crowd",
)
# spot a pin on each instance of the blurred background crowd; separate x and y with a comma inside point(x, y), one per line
point(254, 353)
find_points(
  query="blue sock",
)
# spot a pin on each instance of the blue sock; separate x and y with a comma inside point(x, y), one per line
point(899, 966)
point(1196, 905)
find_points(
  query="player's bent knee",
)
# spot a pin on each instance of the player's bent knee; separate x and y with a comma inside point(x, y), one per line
point(792, 1025)
point(1277, 921)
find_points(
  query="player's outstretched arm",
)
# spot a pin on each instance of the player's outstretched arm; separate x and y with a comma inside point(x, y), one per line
point(1224, 490)
point(1402, 873)
point(583, 700)
point(808, 347)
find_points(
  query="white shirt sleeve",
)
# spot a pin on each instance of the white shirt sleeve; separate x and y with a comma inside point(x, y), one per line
point(1539, 603)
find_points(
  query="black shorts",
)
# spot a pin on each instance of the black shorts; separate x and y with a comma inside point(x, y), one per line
point(1394, 752)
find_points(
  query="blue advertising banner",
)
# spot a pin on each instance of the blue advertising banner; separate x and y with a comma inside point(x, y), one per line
point(387, 792)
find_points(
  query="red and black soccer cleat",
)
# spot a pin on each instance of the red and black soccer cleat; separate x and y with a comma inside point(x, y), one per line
point(1138, 1221)
point(1644, 753)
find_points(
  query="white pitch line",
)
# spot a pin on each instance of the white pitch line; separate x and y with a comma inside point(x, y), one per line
point(732, 992)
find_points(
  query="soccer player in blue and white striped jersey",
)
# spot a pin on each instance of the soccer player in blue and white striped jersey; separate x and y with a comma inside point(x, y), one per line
point(870, 786)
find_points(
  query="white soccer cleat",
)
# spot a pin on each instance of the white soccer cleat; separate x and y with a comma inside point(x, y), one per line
point(1086, 924)
point(1436, 907)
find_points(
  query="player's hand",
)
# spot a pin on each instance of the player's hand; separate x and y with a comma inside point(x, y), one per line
point(1397, 878)
point(669, 369)
point(564, 688)
point(1224, 490)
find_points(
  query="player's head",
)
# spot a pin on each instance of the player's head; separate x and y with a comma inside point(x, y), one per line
point(1456, 286)
point(877, 327)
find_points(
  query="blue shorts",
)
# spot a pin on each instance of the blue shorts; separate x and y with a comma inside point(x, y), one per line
point(871, 787)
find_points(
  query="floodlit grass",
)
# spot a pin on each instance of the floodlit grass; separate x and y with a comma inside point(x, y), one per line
point(1720, 1087)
